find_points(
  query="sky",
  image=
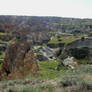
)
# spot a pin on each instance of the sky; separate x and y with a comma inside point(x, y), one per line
point(61, 8)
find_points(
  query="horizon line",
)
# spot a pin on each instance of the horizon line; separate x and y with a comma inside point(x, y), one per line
point(43, 16)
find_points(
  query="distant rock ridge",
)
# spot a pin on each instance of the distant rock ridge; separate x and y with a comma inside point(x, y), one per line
point(19, 61)
point(80, 44)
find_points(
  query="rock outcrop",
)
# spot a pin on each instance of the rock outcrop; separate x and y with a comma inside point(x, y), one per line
point(19, 61)
point(81, 48)
point(44, 53)
point(70, 62)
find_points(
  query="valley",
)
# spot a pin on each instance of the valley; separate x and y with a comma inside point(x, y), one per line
point(45, 54)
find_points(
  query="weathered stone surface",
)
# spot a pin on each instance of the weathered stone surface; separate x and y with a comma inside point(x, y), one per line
point(80, 49)
point(81, 44)
point(19, 61)
point(70, 62)
point(44, 53)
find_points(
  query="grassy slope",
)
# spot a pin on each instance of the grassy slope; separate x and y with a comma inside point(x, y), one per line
point(66, 40)
point(48, 70)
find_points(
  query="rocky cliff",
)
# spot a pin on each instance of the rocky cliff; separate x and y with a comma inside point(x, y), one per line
point(19, 61)
point(81, 48)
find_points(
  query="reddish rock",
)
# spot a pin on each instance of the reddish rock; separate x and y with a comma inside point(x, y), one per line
point(19, 61)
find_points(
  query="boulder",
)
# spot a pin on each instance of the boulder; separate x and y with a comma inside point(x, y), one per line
point(19, 61)
point(70, 62)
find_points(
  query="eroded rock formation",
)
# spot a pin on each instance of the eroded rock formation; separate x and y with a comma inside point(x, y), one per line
point(19, 61)
point(81, 48)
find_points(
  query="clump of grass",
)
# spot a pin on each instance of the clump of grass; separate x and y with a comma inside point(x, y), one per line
point(36, 88)
point(49, 74)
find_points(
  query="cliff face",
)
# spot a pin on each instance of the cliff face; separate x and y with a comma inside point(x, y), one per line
point(19, 61)
point(81, 43)
point(39, 37)
point(81, 48)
